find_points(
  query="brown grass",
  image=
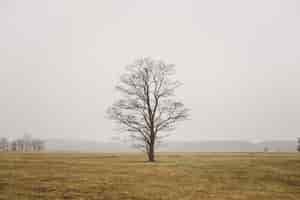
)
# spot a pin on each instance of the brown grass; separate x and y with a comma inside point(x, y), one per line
point(238, 176)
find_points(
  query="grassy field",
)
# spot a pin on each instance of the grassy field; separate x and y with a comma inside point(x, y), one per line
point(239, 176)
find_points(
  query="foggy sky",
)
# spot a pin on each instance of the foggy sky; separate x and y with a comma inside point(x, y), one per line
point(239, 62)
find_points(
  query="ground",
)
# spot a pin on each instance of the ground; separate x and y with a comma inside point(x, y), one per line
point(182, 176)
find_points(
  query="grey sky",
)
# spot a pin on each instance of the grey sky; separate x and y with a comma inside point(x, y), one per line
point(239, 62)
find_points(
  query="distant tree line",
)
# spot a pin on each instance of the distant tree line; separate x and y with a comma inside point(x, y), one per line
point(25, 144)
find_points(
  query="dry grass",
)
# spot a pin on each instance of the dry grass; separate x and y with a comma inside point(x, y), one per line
point(127, 176)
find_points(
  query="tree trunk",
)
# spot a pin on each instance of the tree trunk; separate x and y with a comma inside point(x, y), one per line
point(151, 156)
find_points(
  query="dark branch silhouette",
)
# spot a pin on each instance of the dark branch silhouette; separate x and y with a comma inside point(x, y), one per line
point(146, 109)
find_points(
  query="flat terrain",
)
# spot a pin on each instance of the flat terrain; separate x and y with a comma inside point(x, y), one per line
point(202, 176)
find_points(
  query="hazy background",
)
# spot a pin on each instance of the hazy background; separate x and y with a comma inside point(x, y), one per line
point(239, 62)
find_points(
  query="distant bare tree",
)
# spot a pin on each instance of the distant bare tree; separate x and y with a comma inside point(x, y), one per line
point(147, 109)
point(20, 145)
point(13, 145)
point(298, 148)
point(4, 144)
point(27, 142)
point(37, 145)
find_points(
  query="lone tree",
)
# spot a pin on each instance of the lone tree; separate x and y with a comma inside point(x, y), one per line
point(147, 110)
point(298, 148)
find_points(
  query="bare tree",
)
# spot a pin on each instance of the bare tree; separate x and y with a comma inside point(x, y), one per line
point(13, 145)
point(298, 148)
point(20, 145)
point(38, 145)
point(146, 109)
point(4, 144)
point(27, 142)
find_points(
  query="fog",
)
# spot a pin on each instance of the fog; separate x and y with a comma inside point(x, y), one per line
point(239, 62)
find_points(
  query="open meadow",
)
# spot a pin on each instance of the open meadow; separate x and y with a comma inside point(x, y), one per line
point(192, 176)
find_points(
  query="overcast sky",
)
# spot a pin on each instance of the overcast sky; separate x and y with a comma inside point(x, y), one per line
point(239, 62)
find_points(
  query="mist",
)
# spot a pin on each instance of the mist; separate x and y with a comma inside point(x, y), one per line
point(238, 62)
